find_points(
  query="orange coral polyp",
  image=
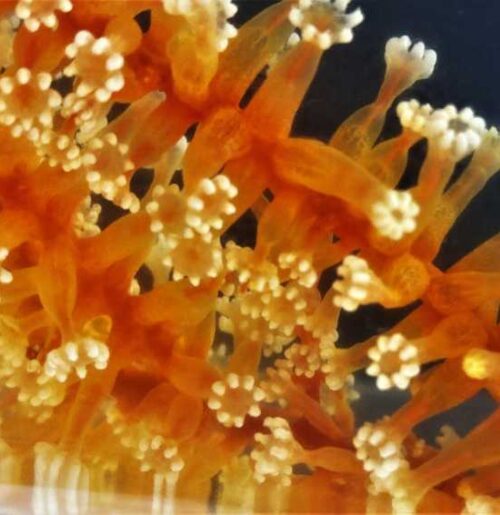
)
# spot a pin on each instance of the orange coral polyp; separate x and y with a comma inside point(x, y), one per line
point(143, 351)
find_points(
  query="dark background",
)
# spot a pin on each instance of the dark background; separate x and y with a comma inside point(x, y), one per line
point(465, 34)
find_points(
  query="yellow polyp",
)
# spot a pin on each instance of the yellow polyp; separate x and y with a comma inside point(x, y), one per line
point(481, 364)
point(407, 277)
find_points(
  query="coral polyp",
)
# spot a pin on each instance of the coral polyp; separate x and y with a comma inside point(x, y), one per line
point(148, 347)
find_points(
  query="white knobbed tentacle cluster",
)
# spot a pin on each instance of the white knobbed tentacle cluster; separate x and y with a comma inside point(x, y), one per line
point(334, 366)
point(458, 133)
point(76, 356)
point(235, 397)
point(300, 268)
point(289, 306)
point(195, 256)
point(96, 66)
point(56, 470)
point(301, 359)
point(325, 23)
point(13, 355)
point(395, 216)
point(168, 211)
point(356, 284)
point(87, 113)
point(321, 324)
point(414, 115)
point(153, 451)
point(328, 397)
point(38, 393)
point(225, 9)
point(208, 205)
point(27, 103)
point(187, 225)
point(417, 60)
point(275, 385)
point(36, 13)
point(489, 150)
point(86, 219)
point(106, 165)
point(59, 150)
point(275, 453)
point(381, 453)
point(181, 7)
point(321, 328)
point(242, 317)
point(246, 270)
point(221, 10)
point(257, 306)
point(394, 362)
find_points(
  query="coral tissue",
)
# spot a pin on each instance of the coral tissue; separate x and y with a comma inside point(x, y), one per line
point(157, 355)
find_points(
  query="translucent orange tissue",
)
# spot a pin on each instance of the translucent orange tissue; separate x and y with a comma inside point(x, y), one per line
point(146, 352)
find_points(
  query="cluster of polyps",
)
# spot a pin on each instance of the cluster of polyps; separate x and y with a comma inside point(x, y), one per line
point(187, 226)
point(183, 315)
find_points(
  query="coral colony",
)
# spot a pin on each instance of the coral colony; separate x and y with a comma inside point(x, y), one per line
point(156, 356)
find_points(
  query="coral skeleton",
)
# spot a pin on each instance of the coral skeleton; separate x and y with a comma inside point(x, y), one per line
point(152, 346)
